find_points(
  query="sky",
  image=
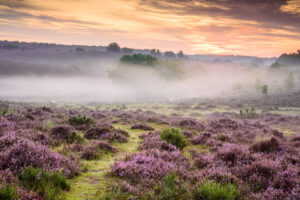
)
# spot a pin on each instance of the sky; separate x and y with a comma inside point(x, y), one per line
point(263, 28)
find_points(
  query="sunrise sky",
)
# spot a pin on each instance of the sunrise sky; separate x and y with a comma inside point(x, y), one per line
point(239, 27)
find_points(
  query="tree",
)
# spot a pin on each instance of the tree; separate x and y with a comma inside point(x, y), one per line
point(180, 54)
point(155, 52)
point(113, 47)
point(170, 54)
point(127, 50)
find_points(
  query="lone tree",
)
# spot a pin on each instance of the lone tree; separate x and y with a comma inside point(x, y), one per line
point(113, 47)
point(180, 54)
point(170, 54)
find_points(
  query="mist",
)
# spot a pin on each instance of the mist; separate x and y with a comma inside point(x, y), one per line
point(91, 82)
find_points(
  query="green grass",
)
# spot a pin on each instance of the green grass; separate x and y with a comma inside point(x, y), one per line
point(92, 183)
point(47, 184)
point(215, 191)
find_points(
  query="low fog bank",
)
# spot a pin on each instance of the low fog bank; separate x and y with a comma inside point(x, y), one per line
point(65, 74)
point(197, 80)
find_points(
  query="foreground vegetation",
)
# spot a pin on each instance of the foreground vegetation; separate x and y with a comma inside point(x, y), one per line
point(124, 152)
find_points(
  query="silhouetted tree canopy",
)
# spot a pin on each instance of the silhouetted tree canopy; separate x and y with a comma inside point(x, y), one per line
point(155, 52)
point(180, 54)
point(138, 59)
point(170, 54)
point(113, 47)
point(127, 50)
point(288, 60)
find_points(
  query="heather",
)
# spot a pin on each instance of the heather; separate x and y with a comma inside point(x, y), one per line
point(137, 154)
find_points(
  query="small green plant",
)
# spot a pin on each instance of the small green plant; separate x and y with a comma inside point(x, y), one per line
point(80, 120)
point(171, 189)
point(248, 112)
point(8, 192)
point(75, 138)
point(264, 89)
point(46, 109)
point(48, 125)
point(223, 137)
point(46, 184)
point(211, 190)
point(175, 137)
point(4, 109)
point(290, 82)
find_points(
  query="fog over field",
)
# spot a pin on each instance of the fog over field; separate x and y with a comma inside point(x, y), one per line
point(60, 73)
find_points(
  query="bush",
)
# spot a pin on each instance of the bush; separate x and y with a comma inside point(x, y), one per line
point(24, 153)
point(264, 89)
point(96, 133)
point(175, 137)
point(80, 120)
point(8, 192)
point(46, 184)
point(90, 153)
point(267, 146)
point(171, 189)
point(142, 127)
point(74, 138)
point(215, 191)
point(61, 132)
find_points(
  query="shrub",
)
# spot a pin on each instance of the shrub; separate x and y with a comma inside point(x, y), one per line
point(190, 124)
point(264, 89)
point(61, 132)
point(266, 146)
point(174, 137)
point(259, 174)
point(96, 133)
point(142, 127)
point(80, 120)
point(46, 184)
point(90, 153)
point(112, 137)
point(147, 167)
point(171, 189)
point(104, 146)
point(215, 191)
point(25, 153)
point(74, 138)
point(8, 192)
point(233, 154)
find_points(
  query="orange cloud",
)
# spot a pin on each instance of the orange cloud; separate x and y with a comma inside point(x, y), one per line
point(246, 27)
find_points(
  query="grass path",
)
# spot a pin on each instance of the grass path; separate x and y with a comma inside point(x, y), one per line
point(89, 183)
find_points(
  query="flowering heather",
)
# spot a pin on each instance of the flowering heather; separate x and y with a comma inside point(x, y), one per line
point(142, 127)
point(190, 124)
point(233, 154)
point(152, 140)
point(96, 133)
point(24, 153)
point(61, 132)
point(149, 166)
point(268, 146)
point(259, 174)
point(188, 134)
point(112, 137)
point(103, 146)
